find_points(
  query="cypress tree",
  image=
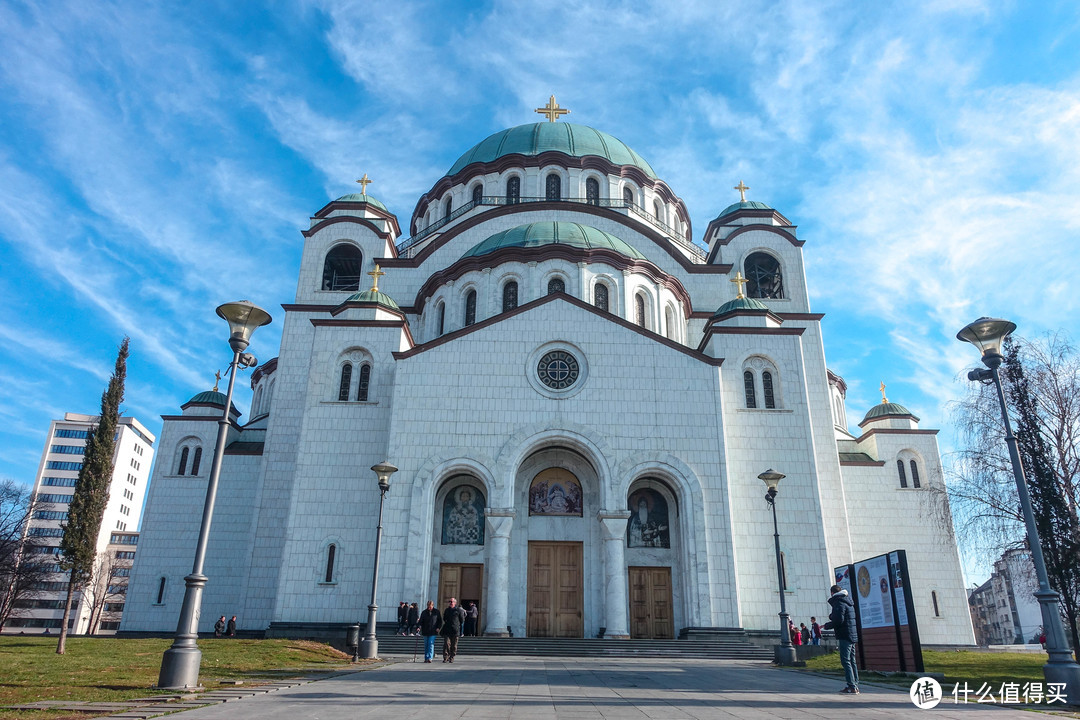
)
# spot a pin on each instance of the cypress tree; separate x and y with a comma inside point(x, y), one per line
point(1059, 530)
point(91, 494)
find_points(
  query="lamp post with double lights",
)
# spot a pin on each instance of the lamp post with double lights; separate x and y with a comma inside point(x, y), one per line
point(180, 663)
point(369, 648)
point(785, 653)
point(988, 334)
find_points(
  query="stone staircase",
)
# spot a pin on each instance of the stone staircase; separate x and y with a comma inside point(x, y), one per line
point(729, 646)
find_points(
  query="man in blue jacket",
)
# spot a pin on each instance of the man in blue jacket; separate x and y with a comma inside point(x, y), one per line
point(842, 622)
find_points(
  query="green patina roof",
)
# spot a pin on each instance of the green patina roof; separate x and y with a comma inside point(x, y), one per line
point(855, 457)
point(211, 397)
point(374, 296)
point(538, 234)
point(746, 205)
point(886, 409)
point(536, 138)
point(743, 303)
point(361, 198)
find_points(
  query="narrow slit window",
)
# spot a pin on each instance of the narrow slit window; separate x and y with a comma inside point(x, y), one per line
point(748, 389)
point(639, 310)
point(442, 318)
point(914, 475)
point(346, 381)
point(937, 610)
point(183, 461)
point(365, 381)
point(767, 387)
point(196, 460)
point(470, 308)
point(903, 474)
point(160, 592)
point(330, 553)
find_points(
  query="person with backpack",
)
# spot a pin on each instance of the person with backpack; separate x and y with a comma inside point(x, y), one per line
point(842, 622)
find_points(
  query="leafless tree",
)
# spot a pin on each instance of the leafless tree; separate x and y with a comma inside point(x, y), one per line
point(100, 590)
point(22, 566)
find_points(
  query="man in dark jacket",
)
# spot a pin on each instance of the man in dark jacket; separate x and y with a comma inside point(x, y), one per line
point(430, 624)
point(842, 621)
point(402, 617)
point(452, 619)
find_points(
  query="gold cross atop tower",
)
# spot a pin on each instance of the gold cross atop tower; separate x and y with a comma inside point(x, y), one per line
point(739, 281)
point(552, 110)
point(882, 389)
point(742, 188)
point(217, 379)
point(364, 182)
point(375, 275)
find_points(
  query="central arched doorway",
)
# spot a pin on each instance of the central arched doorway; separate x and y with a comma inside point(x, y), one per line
point(555, 595)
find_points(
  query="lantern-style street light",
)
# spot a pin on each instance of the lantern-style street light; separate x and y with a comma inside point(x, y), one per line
point(785, 652)
point(369, 648)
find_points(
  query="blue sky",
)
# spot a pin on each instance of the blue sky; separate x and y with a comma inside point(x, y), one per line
point(159, 159)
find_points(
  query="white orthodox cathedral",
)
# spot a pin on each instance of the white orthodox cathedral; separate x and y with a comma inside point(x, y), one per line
point(579, 397)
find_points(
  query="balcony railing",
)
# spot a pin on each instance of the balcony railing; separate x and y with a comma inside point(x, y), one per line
point(409, 246)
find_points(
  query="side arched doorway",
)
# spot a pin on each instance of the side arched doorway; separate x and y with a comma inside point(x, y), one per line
point(459, 538)
point(652, 559)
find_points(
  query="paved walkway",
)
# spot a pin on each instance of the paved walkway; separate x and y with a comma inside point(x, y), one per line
point(584, 689)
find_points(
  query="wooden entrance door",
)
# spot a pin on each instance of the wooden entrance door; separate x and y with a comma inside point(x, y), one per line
point(464, 582)
point(650, 603)
point(555, 595)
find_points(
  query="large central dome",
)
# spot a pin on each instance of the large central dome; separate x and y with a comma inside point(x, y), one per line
point(536, 138)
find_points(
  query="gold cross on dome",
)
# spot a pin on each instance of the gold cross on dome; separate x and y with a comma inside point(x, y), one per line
point(552, 110)
point(375, 275)
point(217, 379)
point(364, 182)
point(742, 188)
point(882, 389)
point(739, 281)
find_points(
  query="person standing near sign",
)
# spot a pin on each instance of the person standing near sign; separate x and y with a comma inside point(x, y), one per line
point(842, 622)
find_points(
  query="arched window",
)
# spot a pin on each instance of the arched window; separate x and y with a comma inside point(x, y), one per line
point(510, 296)
point(592, 191)
point(448, 206)
point(341, 269)
point(600, 296)
point(748, 389)
point(365, 381)
point(556, 285)
point(639, 310)
point(256, 403)
point(331, 551)
point(513, 190)
point(160, 591)
point(477, 197)
point(903, 475)
point(669, 323)
point(183, 461)
point(442, 318)
point(628, 196)
point(914, 475)
point(763, 273)
point(766, 386)
point(470, 308)
point(658, 209)
point(554, 187)
point(346, 382)
point(196, 460)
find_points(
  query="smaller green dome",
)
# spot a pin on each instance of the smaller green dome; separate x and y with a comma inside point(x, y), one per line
point(743, 303)
point(745, 205)
point(210, 397)
point(537, 234)
point(887, 409)
point(377, 297)
point(361, 198)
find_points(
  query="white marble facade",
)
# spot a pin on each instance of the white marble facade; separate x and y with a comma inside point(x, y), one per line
point(659, 403)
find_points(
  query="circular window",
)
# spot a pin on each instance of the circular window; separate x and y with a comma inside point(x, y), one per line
point(558, 369)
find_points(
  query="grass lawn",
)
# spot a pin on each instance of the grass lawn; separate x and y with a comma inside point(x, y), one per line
point(96, 669)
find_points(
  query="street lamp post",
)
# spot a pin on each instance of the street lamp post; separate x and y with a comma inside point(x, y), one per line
point(988, 334)
point(785, 653)
point(180, 663)
point(369, 648)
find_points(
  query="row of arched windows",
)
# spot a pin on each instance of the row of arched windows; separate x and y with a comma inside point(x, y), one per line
point(903, 476)
point(768, 392)
point(345, 382)
point(192, 453)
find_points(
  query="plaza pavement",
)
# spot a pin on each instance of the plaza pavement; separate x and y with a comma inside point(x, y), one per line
point(532, 688)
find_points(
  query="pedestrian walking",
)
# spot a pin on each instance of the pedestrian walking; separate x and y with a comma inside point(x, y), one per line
point(230, 627)
point(453, 618)
point(842, 621)
point(219, 626)
point(430, 624)
point(402, 617)
point(414, 620)
point(815, 631)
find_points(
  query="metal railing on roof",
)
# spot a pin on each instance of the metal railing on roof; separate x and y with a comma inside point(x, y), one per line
point(409, 246)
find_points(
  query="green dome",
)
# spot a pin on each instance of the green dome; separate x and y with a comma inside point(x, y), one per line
point(743, 303)
point(374, 296)
point(887, 409)
point(210, 397)
point(536, 138)
point(745, 205)
point(361, 198)
point(538, 234)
